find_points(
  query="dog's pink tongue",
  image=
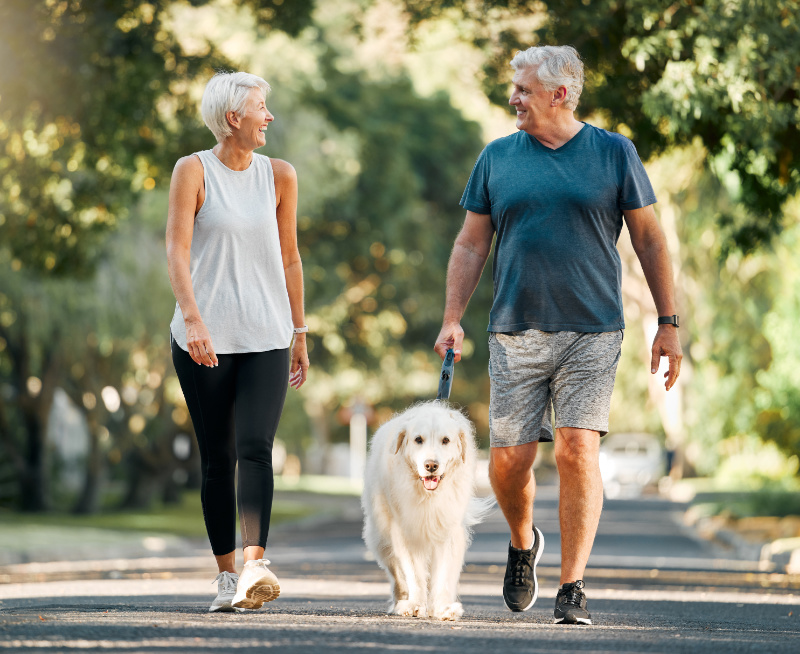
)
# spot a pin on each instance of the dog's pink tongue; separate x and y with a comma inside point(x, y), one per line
point(430, 482)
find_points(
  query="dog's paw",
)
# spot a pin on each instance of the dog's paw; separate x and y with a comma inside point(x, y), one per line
point(409, 609)
point(449, 612)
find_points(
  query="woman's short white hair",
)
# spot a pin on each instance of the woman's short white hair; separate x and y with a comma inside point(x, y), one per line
point(557, 65)
point(227, 92)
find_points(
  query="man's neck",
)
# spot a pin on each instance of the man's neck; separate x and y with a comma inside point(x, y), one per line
point(555, 134)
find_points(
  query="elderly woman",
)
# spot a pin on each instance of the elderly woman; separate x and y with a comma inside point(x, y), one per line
point(238, 333)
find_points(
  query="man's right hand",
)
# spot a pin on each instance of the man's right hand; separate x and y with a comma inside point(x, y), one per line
point(451, 337)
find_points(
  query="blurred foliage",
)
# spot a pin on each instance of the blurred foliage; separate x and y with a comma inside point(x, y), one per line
point(777, 399)
point(88, 312)
point(749, 464)
point(378, 250)
point(95, 106)
point(709, 93)
point(81, 124)
point(740, 353)
point(99, 99)
point(289, 16)
point(763, 502)
point(103, 341)
point(665, 72)
point(381, 169)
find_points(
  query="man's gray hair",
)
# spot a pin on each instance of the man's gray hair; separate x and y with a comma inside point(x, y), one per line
point(227, 92)
point(557, 65)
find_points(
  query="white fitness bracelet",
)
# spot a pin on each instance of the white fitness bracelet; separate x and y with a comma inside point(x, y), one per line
point(300, 330)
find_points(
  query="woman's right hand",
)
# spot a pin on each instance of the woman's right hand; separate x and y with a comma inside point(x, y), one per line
point(198, 341)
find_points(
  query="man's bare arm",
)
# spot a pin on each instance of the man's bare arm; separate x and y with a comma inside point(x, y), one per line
point(471, 249)
point(650, 246)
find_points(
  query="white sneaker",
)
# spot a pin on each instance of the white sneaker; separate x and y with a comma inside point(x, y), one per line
point(257, 584)
point(225, 592)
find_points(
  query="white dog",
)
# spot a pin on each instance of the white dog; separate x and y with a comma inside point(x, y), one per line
point(419, 504)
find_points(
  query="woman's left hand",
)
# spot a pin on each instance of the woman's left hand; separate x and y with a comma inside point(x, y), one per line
point(299, 369)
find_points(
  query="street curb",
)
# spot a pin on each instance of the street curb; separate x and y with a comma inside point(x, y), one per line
point(780, 555)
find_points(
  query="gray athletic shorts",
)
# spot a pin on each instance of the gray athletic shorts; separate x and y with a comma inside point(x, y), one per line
point(530, 370)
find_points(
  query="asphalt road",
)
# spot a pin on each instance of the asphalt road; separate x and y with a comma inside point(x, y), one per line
point(652, 587)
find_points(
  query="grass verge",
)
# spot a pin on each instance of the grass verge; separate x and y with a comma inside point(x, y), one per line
point(184, 519)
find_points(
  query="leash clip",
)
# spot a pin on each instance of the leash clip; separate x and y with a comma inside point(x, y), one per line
point(446, 377)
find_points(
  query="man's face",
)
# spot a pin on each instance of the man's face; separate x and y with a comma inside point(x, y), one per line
point(532, 102)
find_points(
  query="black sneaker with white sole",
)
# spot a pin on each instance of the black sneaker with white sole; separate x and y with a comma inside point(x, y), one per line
point(520, 586)
point(571, 604)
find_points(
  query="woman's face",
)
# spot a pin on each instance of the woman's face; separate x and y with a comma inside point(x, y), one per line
point(253, 125)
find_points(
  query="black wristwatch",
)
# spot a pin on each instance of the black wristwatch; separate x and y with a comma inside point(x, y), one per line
point(668, 320)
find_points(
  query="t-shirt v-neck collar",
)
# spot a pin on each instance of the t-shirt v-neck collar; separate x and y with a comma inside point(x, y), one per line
point(578, 136)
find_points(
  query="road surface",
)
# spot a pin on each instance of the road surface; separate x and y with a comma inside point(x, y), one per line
point(652, 587)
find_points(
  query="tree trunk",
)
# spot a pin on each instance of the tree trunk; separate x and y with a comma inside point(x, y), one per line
point(152, 468)
point(172, 491)
point(33, 493)
point(320, 432)
point(89, 499)
point(12, 463)
point(35, 408)
point(143, 484)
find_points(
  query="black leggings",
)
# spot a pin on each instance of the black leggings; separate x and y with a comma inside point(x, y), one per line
point(235, 410)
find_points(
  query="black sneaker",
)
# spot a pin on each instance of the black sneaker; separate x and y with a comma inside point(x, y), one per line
point(571, 605)
point(520, 587)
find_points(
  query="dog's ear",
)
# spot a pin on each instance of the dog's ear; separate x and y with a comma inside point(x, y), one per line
point(400, 437)
point(462, 436)
point(462, 441)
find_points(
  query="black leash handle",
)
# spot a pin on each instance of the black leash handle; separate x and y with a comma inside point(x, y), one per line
point(446, 378)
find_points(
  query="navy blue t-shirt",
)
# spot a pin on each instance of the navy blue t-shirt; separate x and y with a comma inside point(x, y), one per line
point(558, 216)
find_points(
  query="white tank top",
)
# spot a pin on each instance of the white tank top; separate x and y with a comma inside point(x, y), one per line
point(236, 266)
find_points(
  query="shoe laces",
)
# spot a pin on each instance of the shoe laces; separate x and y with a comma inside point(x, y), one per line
point(572, 593)
point(521, 569)
point(227, 582)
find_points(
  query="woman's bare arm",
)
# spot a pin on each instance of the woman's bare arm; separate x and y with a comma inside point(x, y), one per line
point(286, 198)
point(186, 195)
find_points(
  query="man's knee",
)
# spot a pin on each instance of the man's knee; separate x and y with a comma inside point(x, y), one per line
point(511, 463)
point(577, 448)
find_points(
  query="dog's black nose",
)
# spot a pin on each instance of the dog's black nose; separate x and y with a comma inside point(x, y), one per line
point(431, 466)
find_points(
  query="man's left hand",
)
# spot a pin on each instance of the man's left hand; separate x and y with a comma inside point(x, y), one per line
point(667, 344)
point(299, 367)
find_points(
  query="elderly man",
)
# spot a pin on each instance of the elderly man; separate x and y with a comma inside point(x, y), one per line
point(555, 194)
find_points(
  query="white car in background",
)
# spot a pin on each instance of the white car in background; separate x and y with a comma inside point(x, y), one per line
point(629, 463)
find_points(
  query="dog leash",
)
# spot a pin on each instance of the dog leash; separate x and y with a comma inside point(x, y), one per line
point(446, 377)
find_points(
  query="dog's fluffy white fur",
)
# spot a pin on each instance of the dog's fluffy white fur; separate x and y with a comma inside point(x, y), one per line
point(419, 504)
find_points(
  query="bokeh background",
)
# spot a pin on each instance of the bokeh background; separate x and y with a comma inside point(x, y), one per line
point(382, 106)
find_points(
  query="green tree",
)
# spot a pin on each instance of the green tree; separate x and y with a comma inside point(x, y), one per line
point(104, 341)
point(80, 123)
point(668, 72)
point(31, 363)
point(776, 398)
point(96, 105)
point(378, 244)
point(727, 299)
